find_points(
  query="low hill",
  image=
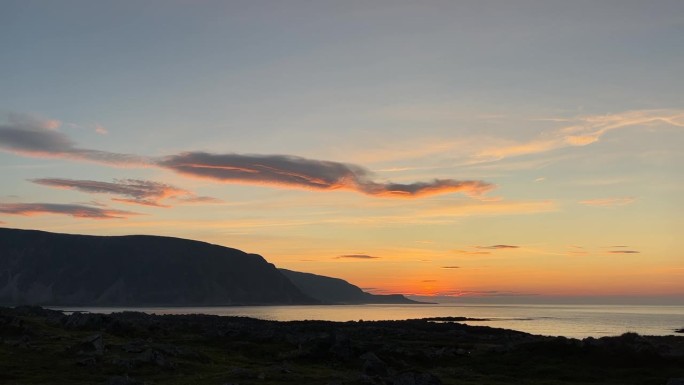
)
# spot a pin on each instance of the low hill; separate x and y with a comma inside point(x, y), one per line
point(42, 268)
point(337, 291)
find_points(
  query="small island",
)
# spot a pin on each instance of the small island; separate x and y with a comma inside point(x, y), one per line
point(41, 346)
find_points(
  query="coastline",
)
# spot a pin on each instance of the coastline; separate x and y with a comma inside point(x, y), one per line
point(46, 346)
point(572, 321)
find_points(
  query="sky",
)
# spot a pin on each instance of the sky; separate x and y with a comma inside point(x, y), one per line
point(463, 149)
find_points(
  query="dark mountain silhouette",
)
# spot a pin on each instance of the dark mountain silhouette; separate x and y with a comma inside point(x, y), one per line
point(337, 291)
point(44, 268)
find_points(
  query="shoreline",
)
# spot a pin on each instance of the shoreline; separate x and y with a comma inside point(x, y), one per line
point(568, 321)
point(47, 346)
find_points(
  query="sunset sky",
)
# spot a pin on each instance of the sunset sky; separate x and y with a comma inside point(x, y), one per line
point(455, 148)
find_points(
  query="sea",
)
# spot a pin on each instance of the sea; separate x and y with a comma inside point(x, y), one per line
point(574, 321)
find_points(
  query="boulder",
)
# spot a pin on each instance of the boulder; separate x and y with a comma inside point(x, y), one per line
point(416, 378)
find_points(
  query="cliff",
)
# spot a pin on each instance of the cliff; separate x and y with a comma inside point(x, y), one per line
point(44, 268)
point(337, 291)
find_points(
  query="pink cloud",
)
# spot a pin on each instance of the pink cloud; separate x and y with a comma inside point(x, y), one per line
point(100, 129)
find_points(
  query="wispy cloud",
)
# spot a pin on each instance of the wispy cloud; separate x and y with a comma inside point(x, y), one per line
point(356, 256)
point(583, 131)
point(74, 210)
point(498, 247)
point(482, 293)
point(41, 138)
point(451, 267)
point(624, 252)
point(134, 191)
point(608, 202)
point(100, 129)
point(577, 252)
point(457, 209)
point(467, 252)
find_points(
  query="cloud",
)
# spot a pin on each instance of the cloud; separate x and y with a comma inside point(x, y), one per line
point(134, 191)
point(356, 256)
point(624, 252)
point(74, 210)
point(196, 199)
point(481, 207)
point(608, 202)
point(41, 138)
point(585, 130)
point(293, 171)
point(472, 252)
point(483, 293)
point(100, 129)
point(451, 267)
point(498, 247)
point(429, 280)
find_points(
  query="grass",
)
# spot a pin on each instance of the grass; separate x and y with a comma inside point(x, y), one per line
point(36, 349)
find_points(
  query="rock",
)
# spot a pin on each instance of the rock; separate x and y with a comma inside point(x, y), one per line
point(122, 380)
point(242, 373)
point(94, 344)
point(91, 345)
point(23, 342)
point(416, 378)
point(88, 361)
point(172, 350)
point(135, 346)
point(154, 357)
point(342, 348)
point(373, 366)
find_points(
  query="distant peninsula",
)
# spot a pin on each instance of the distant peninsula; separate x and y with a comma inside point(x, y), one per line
point(338, 291)
point(53, 269)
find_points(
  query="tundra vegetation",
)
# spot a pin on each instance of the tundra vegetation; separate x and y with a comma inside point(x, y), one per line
point(41, 346)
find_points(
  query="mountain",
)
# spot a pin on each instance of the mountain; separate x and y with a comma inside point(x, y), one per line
point(44, 268)
point(337, 291)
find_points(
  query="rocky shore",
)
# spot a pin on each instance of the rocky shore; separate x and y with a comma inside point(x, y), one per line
point(40, 346)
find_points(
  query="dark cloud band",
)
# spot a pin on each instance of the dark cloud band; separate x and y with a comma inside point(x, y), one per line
point(356, 256)
point(74, 210)
point(33, 138)
point(36, 138)
point(498, 247)
point(292, 171)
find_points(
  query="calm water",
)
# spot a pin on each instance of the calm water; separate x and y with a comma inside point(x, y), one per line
point(576, 321)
